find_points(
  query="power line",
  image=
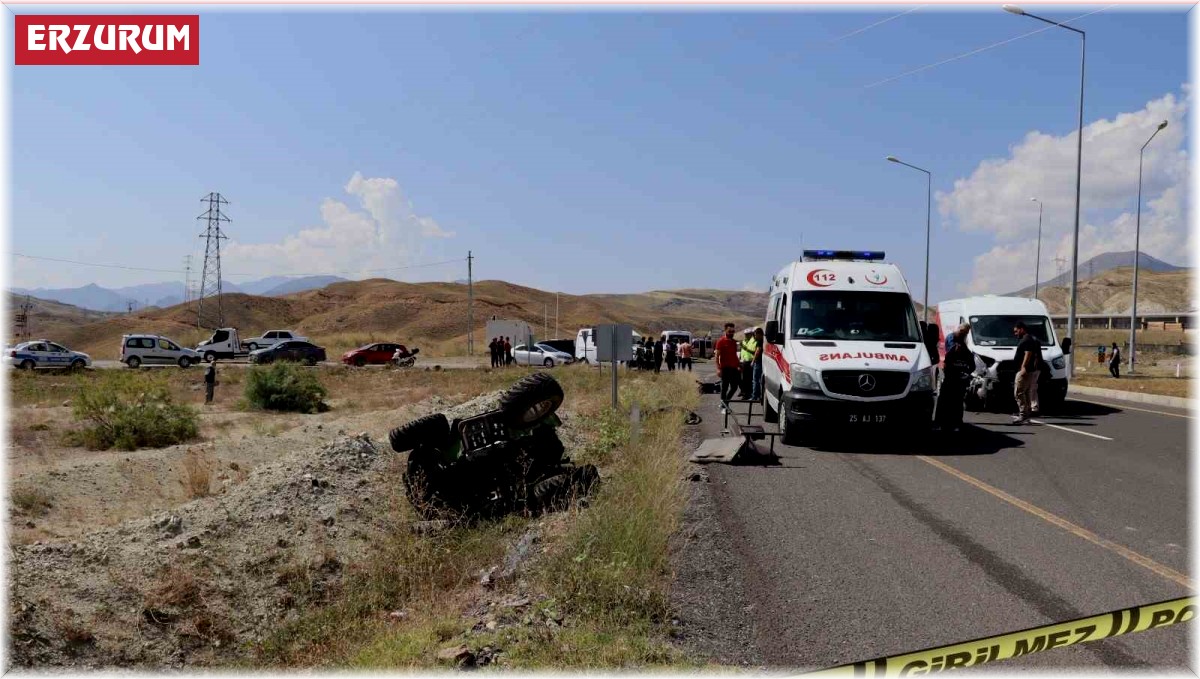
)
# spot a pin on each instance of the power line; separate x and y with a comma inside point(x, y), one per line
point(868, 27)
point(973, 52)
point(210, 278)
point(226, 273)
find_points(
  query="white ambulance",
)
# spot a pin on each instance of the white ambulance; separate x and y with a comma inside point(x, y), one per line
point(845, 346)
point(992, 341)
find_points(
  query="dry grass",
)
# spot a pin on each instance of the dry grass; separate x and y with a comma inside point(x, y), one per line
point(607, 569)
point(196, 473)
point(30, 500)
point(176, 587)
point(1163, 386)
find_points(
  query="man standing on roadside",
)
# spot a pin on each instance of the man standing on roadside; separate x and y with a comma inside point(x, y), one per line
point(1028, 358)
point(746, 356)
point(492, 351)
point(757, 368)
point(210, 382)
point(685, 356)
point(508, 359)
point(726, 354)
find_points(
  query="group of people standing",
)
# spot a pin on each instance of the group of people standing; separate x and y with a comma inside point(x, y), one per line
point(501, 351)
point(739, 365)
point(651, 354)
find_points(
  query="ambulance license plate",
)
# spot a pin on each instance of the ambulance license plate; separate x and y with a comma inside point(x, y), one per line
point(867, 419)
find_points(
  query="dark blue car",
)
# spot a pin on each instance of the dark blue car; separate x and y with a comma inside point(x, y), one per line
point(299, 352)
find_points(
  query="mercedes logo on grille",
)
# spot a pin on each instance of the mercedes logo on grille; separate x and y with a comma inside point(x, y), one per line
point(866, 382)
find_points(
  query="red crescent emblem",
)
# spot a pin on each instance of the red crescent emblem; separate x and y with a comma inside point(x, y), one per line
point(874, 282)
point(822, 278)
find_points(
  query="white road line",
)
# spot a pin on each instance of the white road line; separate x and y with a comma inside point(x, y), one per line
point(1121, 406)
point(1073, 431)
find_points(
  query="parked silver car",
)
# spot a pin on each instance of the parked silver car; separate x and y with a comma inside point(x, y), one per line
point(540, 354)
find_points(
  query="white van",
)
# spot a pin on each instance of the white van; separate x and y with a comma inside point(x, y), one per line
point(992, 341)
point(585, 345)
point(679, 336)
point(845, 347)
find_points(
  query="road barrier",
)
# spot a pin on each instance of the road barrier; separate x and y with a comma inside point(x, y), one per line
point(1016, 644)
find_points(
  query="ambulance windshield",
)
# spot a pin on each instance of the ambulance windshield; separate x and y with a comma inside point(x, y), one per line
point(853, 315)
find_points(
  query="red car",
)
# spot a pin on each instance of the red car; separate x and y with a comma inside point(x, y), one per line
point(372, 354)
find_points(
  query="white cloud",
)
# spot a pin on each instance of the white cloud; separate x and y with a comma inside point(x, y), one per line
point(382, 232)
point(994, 199)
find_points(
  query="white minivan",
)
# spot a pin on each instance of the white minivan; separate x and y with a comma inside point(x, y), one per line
point(845, 347)
point(992, 341)
point(138, 350)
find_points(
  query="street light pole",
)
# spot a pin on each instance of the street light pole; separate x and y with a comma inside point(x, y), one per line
point(1078, 179)
point(1037, 266)
point(928, 212)
point(1137, 244)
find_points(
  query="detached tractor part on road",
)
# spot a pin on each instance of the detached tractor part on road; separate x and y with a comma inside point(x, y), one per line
point(502, 461)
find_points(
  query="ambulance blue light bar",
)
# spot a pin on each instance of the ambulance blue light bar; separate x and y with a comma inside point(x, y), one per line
point(847, 255)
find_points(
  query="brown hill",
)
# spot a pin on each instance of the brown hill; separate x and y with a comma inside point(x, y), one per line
point(430, 315)
point(48, 318)
point(1112, 291)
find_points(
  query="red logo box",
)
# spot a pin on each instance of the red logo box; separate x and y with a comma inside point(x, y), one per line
point(107, 40)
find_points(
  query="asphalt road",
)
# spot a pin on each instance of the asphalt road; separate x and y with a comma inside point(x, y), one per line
point(877, 546)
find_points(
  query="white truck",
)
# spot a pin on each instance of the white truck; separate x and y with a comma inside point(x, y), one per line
point(844, 347)
point(270, 338)
point(224, 343)
point(992, 341)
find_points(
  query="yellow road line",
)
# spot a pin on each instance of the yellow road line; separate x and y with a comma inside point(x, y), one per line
point(1125, 407)
point(1079, 531)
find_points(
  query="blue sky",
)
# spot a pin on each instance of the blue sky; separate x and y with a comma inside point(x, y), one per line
point(602, 151)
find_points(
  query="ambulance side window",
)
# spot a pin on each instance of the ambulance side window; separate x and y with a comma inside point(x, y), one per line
point(783, 322)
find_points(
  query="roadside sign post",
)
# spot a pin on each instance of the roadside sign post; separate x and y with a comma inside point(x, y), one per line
point(614, 342)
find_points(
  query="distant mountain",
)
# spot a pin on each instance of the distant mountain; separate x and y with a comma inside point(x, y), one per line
point(90, 296)
point(301, 284)
point(96, 298)
point(1101, 264)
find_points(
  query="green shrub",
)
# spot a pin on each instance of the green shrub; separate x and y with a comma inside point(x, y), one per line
point(129, 410)
point(286, 387)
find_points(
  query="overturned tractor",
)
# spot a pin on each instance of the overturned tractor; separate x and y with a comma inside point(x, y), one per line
point(501, 461)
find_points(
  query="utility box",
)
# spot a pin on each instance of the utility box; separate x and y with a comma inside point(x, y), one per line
point(517, 332)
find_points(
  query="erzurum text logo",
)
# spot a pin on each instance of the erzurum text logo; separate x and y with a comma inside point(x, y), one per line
point(107, 40)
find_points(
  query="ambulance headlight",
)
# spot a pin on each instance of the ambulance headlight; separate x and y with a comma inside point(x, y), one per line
point(805, 379)
point(924, 380)
point(1059, 363)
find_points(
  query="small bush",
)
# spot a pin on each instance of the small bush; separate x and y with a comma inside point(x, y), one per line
point(197, 477)
point(286, 387)
point(34, 501)
point(129, 410)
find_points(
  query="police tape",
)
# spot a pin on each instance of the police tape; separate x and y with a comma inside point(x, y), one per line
point(1016, 644)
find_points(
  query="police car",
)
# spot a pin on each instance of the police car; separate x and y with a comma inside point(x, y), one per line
point(845, 347)
point(46, 354)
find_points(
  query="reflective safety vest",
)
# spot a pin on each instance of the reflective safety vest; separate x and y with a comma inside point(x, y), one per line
point(748, 348)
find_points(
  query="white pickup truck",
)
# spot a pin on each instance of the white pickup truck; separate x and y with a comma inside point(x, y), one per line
point(226, 344)
point(271, 338)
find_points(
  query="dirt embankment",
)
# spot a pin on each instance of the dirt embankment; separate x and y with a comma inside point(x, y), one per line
point(199, 584)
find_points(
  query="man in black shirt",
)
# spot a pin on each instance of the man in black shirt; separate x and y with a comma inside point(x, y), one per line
point(1028, 358)
point(210, 382)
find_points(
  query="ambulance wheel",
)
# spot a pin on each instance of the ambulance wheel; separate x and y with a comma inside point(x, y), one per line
point(788, 433)
point(770, 414)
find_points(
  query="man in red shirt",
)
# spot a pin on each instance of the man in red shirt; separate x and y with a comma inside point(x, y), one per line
point(726, 353)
